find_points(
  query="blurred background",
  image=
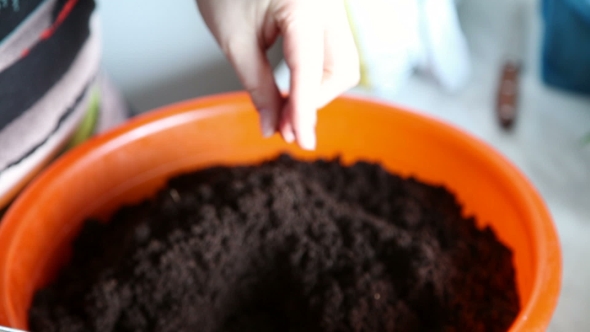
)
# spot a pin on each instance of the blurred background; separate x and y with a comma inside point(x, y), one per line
point(439, 57)
point(158, 53)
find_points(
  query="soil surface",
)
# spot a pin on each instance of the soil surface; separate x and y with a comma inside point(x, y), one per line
point(285, 246)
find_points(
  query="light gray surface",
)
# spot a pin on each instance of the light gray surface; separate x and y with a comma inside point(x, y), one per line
point(8, 329)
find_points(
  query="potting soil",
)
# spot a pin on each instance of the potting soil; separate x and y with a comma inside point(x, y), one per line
point(285, 246)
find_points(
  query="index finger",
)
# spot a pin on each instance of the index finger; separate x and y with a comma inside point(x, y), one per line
point(303, 47)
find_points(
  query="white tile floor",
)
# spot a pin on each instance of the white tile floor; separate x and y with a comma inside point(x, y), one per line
point(545, 144)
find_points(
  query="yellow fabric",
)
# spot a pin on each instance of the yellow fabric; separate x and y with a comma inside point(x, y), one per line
point(88, 125)
point(364, 80)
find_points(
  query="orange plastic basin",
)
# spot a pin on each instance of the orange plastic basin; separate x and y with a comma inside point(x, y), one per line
point(133, 161)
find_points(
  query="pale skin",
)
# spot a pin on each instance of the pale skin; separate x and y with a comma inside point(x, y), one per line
point(319, 50)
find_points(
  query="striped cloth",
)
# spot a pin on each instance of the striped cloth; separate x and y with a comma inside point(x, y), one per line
point(49, 78)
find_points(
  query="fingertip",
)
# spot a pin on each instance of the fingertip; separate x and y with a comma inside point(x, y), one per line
point(307, 139)
point(268, 122)
point(305, 132)
point(305, 124)
point(288, 134)
point(268, 104)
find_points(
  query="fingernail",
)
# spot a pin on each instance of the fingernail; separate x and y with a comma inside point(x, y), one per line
point(306, 136)
point(288, 136)
point(267, 123)
point(307, 139)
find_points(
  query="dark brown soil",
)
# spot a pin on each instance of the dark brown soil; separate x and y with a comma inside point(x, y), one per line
point(286, 246)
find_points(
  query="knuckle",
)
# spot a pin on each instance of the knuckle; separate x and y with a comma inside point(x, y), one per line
point(348, 76)
point(256, 93)
point(231, 46)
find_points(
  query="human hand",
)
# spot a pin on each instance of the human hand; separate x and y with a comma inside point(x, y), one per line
point(319, 50)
